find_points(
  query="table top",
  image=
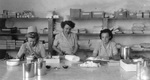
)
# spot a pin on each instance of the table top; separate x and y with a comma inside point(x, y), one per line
point(74, 72)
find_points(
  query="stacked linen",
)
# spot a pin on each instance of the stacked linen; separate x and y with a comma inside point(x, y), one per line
point(147, 30)
point(146, 46)
point(128, 32)
point(3, 44)
point(138, 28)
point(137, 47)
point(19, 43)
point(10, 44)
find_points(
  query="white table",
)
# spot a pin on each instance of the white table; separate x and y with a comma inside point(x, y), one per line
point(74, 72)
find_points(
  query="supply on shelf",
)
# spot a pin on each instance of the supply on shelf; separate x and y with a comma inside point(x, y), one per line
point(132, 14)
point(139, 14)
point(97, 14)
point(138, 28)
point(146, 14)
point(122, 13)
point(12, 14)
point(119, 14)
point(82, 30)
point(86, 15)
point(75, 13)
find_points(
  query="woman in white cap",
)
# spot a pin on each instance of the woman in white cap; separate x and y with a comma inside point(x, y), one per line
point(65, 43)
point(32, 47)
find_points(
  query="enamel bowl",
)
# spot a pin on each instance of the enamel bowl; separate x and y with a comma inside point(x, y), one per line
point(13, 62)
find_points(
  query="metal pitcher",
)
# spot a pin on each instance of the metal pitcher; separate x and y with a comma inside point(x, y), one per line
point(28, 69)
point(41, 67)
point(143, 71)
point(125, 52)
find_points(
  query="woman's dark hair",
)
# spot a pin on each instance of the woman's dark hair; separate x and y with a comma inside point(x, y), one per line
point(33, 35)
point(106, 31)
point(70, 23)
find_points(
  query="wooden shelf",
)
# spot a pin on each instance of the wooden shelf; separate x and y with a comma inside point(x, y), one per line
point(88, 34)
point(111, 18)
point(129, 18)
point(97, 34)
point(131, 34)
point(18, 34)
point(87, 18)
point(26, 18)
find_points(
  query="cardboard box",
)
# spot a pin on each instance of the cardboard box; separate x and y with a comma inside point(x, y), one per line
point(53, 62)
point(75, 13)
point(120, 14)
point(97, 14)
point(146, 14)
point(127, 66)
point(131, 15)
point(139, 14)
point(86, 15)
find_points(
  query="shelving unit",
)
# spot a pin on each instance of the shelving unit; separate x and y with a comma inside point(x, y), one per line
point(105, 23)
point(18, 34)
point(97, 34)
point(49, 34)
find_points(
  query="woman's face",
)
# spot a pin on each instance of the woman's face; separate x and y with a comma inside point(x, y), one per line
point(105, 37)
point(32, 41)
point(67, 29)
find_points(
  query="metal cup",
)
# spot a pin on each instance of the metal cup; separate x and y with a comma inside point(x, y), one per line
point(41, 68)
point(28, 69)
point(125, 52)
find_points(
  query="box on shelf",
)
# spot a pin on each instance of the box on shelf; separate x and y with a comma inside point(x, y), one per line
point(139, 14)
point(97, 14)
point(2, 42)
point(54, 59)
point(19, 43)
point(121, 13)
point(146, 14)
point(86, 15)
point(23, 30)
point(127, 66)
point(132, 14)
point(109, 15)
point(82, 30)
point(3, 47)
point(75, 13)
point(11, 14)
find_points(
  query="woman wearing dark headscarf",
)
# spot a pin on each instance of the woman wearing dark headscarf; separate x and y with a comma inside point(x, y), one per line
point(106, 48)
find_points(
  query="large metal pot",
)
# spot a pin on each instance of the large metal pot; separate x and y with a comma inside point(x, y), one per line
point(125, 52)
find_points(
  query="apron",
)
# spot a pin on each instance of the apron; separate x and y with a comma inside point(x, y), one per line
point(105, 51)
point(69, 42)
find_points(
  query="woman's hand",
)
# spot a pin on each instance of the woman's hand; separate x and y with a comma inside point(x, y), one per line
point(36, 55)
